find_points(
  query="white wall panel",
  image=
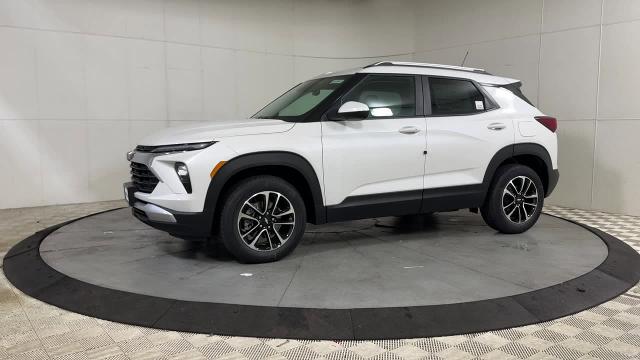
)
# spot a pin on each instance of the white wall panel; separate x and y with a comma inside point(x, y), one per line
point(145, 19)
point(569, 73)
point(61, 15)
point(251, 81)
point(138, 129)
point(575, 160)
point(184, 81)
point(21, 175)
point(620, 11)
point(617, 167)
point(64, 153)
point(147, 85)
point(61, 63)
point(177, 123)
point(306, 68)
point(217, 26)
point(451, 56)
point(568, 14)
point(320, 29)
point(619, 72)
point(183, 57)
point(182, 21)
point(279, 76)
point(249, 24)
point(442, 23)
point(18, 13)
point(106, 78)
point(219, 84)
point(514, 57)
point(353, 29)
point(7, 181)
point(18, 89)
point(108, 17)
point(278, 18)
point(390, 23)
point(100, 75)
point(106, 158)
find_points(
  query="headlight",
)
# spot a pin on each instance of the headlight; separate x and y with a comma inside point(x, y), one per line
point(174, 147)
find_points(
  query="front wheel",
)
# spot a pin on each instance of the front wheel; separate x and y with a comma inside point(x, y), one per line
point(263, 219)
point(515, 199)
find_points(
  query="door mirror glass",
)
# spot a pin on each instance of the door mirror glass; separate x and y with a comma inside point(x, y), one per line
point(352, 110)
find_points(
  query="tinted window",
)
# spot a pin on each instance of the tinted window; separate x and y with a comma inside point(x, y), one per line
point(454, 96)
point(386, 95)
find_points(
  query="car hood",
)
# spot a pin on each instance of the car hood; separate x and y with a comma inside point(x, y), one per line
point(215, 130)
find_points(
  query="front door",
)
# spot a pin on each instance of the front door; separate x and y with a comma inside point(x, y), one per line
point(375, 166)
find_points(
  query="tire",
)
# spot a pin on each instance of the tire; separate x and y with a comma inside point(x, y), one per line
point(515, 199)
point(254, 237)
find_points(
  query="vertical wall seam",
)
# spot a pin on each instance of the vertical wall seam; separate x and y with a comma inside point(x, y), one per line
point(128, 64)
point(202, 78)
point(85, 59)
point(36, 60)
point(540, 52)
point(166, 64)
point(595, 120)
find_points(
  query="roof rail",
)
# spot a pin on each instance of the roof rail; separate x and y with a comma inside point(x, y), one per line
point(426, 65)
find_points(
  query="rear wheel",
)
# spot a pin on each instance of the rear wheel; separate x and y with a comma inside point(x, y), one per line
point(263, 219)
point(515, 199)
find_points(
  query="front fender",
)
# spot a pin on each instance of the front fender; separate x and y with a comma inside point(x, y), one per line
point(245, 162)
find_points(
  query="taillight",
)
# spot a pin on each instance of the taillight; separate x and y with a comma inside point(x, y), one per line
point(549, 122)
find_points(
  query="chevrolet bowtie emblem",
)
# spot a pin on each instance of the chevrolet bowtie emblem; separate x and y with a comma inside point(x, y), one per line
point(130, 155)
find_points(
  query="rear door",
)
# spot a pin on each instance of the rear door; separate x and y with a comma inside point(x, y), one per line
point(465, 128)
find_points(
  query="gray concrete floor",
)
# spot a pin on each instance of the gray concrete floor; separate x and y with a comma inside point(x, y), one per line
point(440, 259)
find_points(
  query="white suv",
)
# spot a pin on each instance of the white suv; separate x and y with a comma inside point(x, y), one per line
point(388, 139)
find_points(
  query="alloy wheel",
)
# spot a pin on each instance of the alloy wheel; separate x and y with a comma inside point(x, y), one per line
point(266, 221)
point(520, 199)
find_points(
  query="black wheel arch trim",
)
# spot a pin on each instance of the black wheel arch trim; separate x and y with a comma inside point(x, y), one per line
point(244, 162)
point(509, 152)
point(27, 271)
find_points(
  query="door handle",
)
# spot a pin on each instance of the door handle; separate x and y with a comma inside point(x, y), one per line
point(496, 126)
point(409, 130)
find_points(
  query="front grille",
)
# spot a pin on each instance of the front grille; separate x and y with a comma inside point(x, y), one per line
point(143, 178)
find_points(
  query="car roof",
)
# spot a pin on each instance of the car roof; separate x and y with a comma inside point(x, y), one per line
point(399, 67)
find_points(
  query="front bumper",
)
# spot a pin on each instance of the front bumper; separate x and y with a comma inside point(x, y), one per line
point(179, 224)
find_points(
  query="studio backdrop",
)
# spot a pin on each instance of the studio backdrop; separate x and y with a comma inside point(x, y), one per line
point(81, 82)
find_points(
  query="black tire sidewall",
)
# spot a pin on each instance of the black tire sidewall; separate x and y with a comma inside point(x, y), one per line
point(232, 205)
point(492, 211)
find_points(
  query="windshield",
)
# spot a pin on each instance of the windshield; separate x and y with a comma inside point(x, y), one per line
point(302, 99)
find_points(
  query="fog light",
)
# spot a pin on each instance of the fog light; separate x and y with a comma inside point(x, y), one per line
point(183, 175)
point(182, 170)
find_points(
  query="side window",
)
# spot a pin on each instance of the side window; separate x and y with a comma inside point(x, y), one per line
point(455, 97)
point(386, 95)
